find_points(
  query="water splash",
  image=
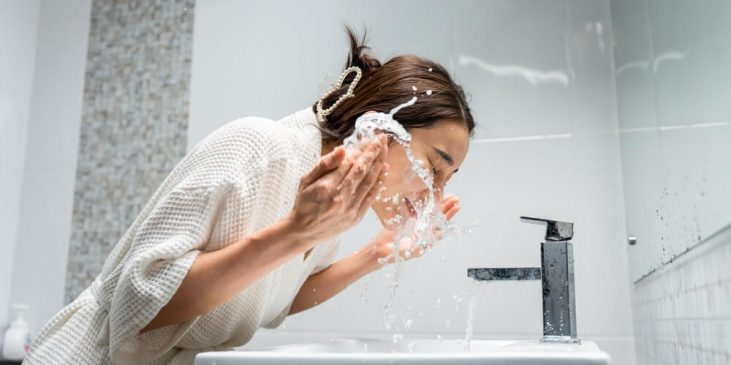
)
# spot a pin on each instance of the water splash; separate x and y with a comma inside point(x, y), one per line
point(466, 345)
point(429, 226)
point(419, 232)
point(391, 304)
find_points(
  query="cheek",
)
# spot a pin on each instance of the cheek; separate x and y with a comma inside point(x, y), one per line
point(401, 177)
point(402, 180)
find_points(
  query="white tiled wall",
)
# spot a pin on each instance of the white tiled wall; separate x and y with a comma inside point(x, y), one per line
point(134, 123)
point(541, 79)
point(673, 86)
point(682, 313)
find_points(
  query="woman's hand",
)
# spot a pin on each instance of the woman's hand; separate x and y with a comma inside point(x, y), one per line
point(325, 284)
point(450, 206)
point(331, 198)
point(381, 246)
point(337, 192)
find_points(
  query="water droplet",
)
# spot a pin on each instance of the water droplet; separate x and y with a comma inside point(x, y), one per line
point(419, 230)
point(428, 92)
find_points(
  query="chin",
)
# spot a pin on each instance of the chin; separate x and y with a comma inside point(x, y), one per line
point(381, 217)
point(384, 217)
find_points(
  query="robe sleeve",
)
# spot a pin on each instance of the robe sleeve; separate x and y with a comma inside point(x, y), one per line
point(170, 233)
point(328, 258)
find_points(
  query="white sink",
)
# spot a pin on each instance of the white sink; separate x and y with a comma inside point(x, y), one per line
point(421, 351)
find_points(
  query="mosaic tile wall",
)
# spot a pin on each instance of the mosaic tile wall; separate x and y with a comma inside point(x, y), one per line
point(683, 311)
point(134, 122)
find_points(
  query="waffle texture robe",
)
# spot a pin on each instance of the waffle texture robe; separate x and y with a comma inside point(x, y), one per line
point(239, 179)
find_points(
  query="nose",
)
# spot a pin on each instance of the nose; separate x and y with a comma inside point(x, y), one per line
point(439, 189)
point(438, 194)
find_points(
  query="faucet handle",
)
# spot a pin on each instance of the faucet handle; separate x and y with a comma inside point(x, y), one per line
point(555, 231)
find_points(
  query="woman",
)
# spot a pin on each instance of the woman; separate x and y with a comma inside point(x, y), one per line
point(242, 232)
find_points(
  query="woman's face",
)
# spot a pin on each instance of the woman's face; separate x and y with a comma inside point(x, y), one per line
point(441, 148)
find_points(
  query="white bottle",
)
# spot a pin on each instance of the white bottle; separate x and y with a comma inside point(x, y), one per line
point(17, 336)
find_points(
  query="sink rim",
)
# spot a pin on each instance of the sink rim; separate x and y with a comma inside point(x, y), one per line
point(535, 350)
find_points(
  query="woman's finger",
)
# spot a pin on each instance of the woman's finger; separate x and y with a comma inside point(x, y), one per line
point(369, 182)
point(449, 202)
point(366, 202)
point(449, 214)
point(337, 175)
point(360, 168)
point(414, 251)
point(327, 163)
point(375, 171)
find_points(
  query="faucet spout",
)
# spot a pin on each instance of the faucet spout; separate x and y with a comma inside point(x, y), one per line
point(512, 273)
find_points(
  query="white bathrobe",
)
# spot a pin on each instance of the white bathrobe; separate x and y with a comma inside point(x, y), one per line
point(238, 180)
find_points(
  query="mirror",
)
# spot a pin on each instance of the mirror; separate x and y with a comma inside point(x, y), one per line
point(673, 83)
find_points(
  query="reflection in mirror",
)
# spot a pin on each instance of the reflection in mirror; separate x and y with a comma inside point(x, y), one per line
point(673, 86)
point(673, 83)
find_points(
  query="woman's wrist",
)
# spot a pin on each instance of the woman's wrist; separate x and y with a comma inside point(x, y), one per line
point(285, 234)
point(368, 259)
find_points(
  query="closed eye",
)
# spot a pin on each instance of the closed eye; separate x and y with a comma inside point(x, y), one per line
point(446, 158)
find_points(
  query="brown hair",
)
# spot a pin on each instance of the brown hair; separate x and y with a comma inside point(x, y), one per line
point(385, 86)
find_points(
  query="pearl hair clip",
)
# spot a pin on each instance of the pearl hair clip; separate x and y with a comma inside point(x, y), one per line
point(321, 114)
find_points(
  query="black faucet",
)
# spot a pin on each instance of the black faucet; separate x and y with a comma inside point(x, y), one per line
point(557, 276)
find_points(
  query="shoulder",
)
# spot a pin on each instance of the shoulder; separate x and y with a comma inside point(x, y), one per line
point(247, 138)
point(242, 131)
point(250, 142)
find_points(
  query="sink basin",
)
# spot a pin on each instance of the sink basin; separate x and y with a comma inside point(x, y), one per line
point(421, 351)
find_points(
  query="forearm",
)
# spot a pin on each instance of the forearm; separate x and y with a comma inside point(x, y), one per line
point(325, 284)
point(216, 276)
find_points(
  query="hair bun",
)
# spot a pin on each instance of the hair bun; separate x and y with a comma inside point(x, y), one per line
point(358, 53)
